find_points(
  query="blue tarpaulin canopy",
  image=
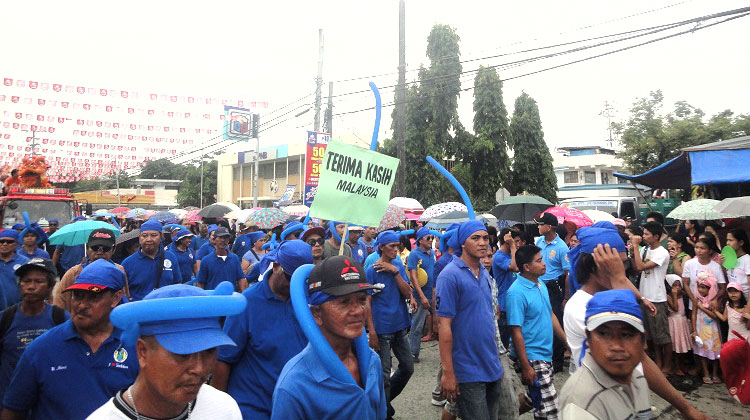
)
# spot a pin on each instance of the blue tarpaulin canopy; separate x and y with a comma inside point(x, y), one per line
point(721, 162)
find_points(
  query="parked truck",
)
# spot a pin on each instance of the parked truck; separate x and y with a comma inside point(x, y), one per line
point(38, 203)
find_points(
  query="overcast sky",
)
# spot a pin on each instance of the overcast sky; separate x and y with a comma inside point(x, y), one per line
point(269, 50)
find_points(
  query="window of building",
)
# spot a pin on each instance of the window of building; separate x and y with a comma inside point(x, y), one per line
point(589, 177)
point(265, 171)
point(172, 187)
point(280, 169)
point(571, 177)
point(294, 167)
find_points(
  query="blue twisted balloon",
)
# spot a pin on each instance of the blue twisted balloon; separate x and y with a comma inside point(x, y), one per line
point(376, 129)
point(271, 244)
point(456, 185)
point(318, 342)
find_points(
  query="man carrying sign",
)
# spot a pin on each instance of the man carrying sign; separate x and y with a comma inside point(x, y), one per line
point(334, 243)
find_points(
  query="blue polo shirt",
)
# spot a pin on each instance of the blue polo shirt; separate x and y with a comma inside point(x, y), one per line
point(59, 377)
point(38, 253)
point(267, 335)
point(22, 331)
point(389, 311)
point(528, 306)
point(369, 246)
point(214, 270)
point(306, 390)
point(185, 261)
point(10, 294)
point(440, 265)
point(370, 260)
point(359, 252)
point(241, 245)
point(555, 255)
point(426, 261)
point(204, 250)
point(71, 255)
point(196, 242)
point(503, 276)
point(467, 300)
point(143, 270)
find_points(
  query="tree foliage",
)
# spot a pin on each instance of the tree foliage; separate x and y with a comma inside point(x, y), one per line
point(532, 161)
point(190, 191)
point(162, 169)
point(650, 138)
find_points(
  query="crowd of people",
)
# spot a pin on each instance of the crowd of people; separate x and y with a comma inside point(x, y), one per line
point(87, 331)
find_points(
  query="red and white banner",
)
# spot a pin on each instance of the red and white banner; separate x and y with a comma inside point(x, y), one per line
point(316, 148)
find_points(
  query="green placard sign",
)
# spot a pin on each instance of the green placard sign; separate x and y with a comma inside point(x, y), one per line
point(354, 186)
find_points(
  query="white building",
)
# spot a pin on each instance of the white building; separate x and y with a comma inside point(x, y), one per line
point(586, 172)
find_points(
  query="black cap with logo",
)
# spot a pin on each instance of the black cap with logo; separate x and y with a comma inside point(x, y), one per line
point(338, 276)
point(101, 236)
point(546, 219)
point(36, 263)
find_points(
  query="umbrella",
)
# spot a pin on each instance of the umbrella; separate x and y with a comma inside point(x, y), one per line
point(267, 218)
point(133, 234)
point(241, 216)
point(78, 233)
point(162, 216)
point(440, 209)
point(216, 210)
point(448, 219)
point(192, 215)
point(406, 203)
point(570, 215)
point(598, 215)
point(734, 205)
point(147, 215)
point(179, 213)
point(701, 209)
point(119, 210)
point(102, 212)
point(392, 217)
point(298, 210)
point(520, 207)
point(230, 205)
point(135, 213)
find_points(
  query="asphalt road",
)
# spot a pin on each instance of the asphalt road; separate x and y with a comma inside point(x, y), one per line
point(414, 401)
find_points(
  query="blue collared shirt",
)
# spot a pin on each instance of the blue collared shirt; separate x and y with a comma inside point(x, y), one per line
point(71, 255)
point(185, 260)
point(370, 260)
point(440, 264)
point(38, 253)
point(527, 305)
point(389, 311)
point(418, 258)
point(369, 246)
point(143, 270)
point(503, 276)
point(204, 250)
point(359, 252)
point(214, 270)
point(267, 335)
point(241, 245)
point(555, 256)
point(467, 300)
point(59, 377)
point(306, 390)
point(10, 295)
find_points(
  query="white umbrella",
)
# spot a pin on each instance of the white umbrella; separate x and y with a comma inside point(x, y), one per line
point(598, 216)
point(734, 205)
point(179, 213)
point(298, 210)
point(230, 205)
point(406, 203)
point(239, 215)
point(700, 209)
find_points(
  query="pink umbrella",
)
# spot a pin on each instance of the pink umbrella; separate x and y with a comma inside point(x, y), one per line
point(192, 216)
point(570, 215)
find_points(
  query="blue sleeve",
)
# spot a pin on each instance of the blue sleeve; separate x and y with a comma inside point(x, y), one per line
point(370, 274)
point(515, 308)
point(202, 277)
point(445, 301)
point(286, 406)
point(499, 262)
point(22, 393)
point(176, 272)
point(402, 270)
point(237, 243)
point(411, 261)
point(236, 327)
point(564, 261)
point(238, 274)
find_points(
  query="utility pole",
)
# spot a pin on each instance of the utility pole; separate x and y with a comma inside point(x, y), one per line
point(201, 178)
point(33, 144)
point(255, 133)
point(117, 181)
point(328, 126)
point(399, 133)
point(608, 112)
point(319, 80)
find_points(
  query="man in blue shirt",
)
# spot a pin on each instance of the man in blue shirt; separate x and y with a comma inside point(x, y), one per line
point(306, 389)
point(242, 243)
point(472, 371)
point(66, 256)
point(359, 250)
point(389, 317)
point(532, 324)
point(221, 265)
point(32, 238)
point(9, 262)
point(72, 369)
point(420, 264)
point(180, 247)
point(267, 334)
point(30, 318)
point(368, 239)
point(151, 267)
point(555, 255)
point(504, 270)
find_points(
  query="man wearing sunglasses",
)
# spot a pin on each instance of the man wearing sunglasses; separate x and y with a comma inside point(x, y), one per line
point(100, 245)
point(9, 262)
point(314, 238)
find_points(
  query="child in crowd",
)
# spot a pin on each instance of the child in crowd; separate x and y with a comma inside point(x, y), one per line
point(706, 335)
point(680, 251)
point(714, 245)
point(679, 327)
point(737, 239)
point(705, 248)
point(736, 311)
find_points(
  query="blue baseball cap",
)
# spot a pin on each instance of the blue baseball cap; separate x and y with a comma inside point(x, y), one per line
point(614, 305)
point(151, 225)
point(53, 220)
point(99, 276)
point(9, 233)
point(19, 227)
point(188, 335)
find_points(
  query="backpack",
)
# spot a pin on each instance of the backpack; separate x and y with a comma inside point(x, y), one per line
point(58, 317)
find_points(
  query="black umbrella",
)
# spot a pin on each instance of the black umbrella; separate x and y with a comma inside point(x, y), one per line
point(214, 211)
point(520, 207)
point(133, 234)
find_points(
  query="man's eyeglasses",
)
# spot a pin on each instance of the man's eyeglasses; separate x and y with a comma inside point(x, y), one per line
point(103, 248)
point(7, 241)
point(313, 242)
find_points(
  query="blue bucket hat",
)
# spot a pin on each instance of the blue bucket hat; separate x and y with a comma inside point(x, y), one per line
point(182, 233)
point(19, 227)
point(154, 225)
point(79, 218)
point(183, 319)
point(53, 220)
point(99, 276)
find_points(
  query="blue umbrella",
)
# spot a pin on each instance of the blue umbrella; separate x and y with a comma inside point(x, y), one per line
point(162, 216)
point(78, 233)
point(136, 212)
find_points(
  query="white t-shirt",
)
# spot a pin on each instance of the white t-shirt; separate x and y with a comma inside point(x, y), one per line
point(574, 323)
point(211, 404)
point(652, 280)
point(693, 267)
point(740, 272)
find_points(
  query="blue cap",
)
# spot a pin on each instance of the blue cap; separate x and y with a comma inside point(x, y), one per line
point(422, 232)
point(387, 237)
point(465, 230)
point(19, 226)
point(289, 254)
point(183, 319)
point(151, 225)
point(212, 228)
point(614, 305)
point(181, 233)
point(9, 233)
point(79, 218)
point(98, 276)
point(589, 238)
point(253, 237)
point(53, 220)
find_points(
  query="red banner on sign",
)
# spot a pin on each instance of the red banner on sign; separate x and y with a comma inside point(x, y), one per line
point(316, 148)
